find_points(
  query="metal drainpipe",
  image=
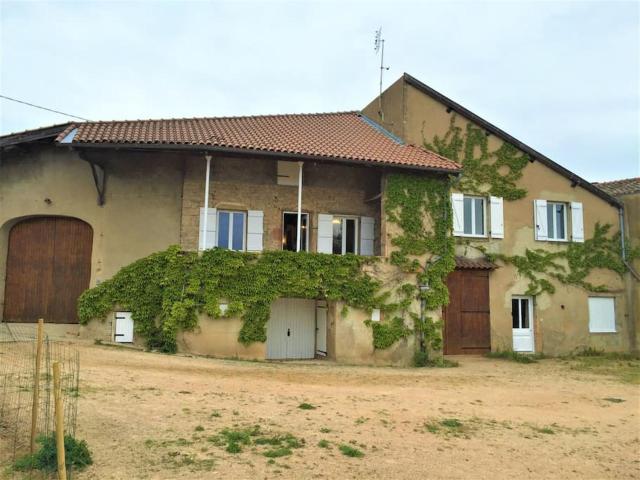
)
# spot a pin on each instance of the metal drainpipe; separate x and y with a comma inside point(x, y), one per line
point(299, 227)
point(206, 204)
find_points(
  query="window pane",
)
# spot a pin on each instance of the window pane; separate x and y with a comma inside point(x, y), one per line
point(337, 236)
point(560, 220)
point(515, 312)
point(479, 216)
point(238, 231)
point(351, 236)
point(468, 227)
point(290, 231)
point(551, 231)
point(524, 305)
point(223, 229)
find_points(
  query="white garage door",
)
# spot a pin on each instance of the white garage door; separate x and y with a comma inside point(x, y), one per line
point(291, 329)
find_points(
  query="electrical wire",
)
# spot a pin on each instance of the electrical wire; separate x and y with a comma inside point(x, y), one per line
point(44, 108)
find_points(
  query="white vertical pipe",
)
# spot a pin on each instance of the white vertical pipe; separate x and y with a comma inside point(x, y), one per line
point(298, 236)
point(206, 203)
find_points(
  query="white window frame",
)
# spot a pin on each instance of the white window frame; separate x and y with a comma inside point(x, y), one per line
point(343, 219)
point(591, 327)
point(230, 239)
point(473, 216)
point(555, 223)
point(287, 212)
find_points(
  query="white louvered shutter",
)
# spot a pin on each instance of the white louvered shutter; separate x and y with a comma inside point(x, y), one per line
point(325, 233)
point(255, 228)
point(212, 229)
point(540, 219)
point(457, 205)
point(577, 222)
point(367, 235)
point(497, 217)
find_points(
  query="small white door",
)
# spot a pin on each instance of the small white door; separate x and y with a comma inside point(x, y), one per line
point(321, 329)
point(124, 328)
point(291, 329)
point(522, 321)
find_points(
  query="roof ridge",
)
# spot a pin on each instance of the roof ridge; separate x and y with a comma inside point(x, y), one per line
point(231, 117)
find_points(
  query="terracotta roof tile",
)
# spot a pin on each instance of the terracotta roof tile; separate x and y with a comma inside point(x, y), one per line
point(345, 135)
point(616, 188)
point(474, 263)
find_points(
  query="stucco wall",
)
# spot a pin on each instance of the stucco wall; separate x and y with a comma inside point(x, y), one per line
point(561, 320)
point(632, 217)
point(142, 206)
point(251, 184)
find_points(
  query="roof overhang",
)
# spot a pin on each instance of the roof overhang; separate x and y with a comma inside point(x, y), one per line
point(242, 152)
point(33, 135)
point(489, 127)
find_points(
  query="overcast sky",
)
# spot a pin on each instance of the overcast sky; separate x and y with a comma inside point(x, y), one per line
point(561, 76)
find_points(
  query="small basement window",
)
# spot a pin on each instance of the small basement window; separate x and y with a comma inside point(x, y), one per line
point(602, 315)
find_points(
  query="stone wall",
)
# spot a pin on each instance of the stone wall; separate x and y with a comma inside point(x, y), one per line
point(251, 184)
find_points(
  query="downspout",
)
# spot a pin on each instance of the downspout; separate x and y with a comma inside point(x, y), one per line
point(206, 203)
point(629, 285)
point(299, 226)
point(623, 246)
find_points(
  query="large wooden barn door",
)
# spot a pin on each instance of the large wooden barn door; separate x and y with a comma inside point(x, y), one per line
point(466, 324)
point(48, 267)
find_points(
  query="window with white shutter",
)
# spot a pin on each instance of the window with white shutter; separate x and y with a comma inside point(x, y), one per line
point(577, 222)
point(602, 315)
point(497, 217)
point(540, 219)
point(255, 228)
point(457, 206)
point(367, 235)
point(325, 233)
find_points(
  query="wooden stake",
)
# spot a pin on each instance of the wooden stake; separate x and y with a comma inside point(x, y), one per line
point(36, 385)
point(57, 393)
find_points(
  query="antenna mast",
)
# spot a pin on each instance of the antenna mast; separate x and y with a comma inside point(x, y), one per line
point(379, 47)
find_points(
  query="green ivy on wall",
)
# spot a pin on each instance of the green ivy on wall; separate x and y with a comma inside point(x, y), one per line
point(572, 265)
point(484, 172)
point(420, 206)
point(165, 291)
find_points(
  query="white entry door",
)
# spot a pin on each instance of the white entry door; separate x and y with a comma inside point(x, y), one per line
point(522, 320)
point(321, 329)
point(291, 329)
point(124, 328)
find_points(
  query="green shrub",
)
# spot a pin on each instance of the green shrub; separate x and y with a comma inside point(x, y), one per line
point(77, 455)
point(306, 406)
point(421, 359)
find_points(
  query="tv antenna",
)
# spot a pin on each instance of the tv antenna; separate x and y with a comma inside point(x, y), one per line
point(379, 47)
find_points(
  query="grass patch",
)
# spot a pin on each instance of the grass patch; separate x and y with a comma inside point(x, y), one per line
point(306, 406)
point(447, 427)
point(325, 430)
point(349, 451)
point(622, 366)
point(323, 443)
point(235, 440)
point(545, 430)
point(277, 452)
point(514, 356)
point(199, 428)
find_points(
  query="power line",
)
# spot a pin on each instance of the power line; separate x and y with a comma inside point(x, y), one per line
point(44, 108)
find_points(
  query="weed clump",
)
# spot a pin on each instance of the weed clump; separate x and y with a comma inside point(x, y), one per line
point(77, 455)
point(514, 356)
point(349, 451)
point(306, 406)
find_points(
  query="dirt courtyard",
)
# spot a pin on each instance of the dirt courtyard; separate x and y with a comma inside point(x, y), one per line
point(154, 416)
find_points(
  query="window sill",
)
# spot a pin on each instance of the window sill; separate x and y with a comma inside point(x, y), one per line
point(608, 331)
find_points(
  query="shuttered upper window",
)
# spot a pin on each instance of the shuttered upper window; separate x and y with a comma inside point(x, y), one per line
point(231, 230)
point(475, 216)
point(556, 221)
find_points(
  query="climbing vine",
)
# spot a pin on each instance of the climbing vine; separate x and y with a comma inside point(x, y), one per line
point(165, 291)
point(485, 172)
point(572, 265)
point(420, 207)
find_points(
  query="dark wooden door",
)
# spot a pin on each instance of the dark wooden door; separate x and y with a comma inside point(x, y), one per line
point(466, 318)
point(48, 267)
